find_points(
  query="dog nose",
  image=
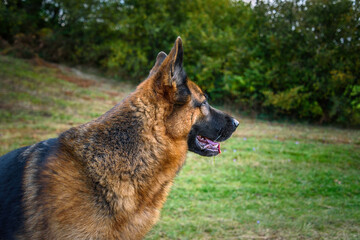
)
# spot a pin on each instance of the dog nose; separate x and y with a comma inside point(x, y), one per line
point(235, 122)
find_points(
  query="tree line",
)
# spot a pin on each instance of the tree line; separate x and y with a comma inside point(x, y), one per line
point(298, 59)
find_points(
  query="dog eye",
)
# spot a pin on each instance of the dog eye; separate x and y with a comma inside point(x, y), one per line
point(205, 108)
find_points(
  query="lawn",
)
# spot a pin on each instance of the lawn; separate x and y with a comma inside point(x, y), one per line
point(272, 181)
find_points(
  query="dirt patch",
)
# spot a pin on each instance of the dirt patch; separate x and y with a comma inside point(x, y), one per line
point(80, 82)
point(86, 98)
point(42, 63)
point(69, 93)
point(6, 106)
point(111, 93)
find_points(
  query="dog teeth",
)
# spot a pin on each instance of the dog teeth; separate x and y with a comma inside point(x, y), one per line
point(207, 144)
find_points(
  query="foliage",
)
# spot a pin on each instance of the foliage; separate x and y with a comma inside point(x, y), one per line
point(283, 58)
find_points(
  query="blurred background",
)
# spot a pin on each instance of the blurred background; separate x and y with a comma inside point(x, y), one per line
point(287, 70)
point(297, 59)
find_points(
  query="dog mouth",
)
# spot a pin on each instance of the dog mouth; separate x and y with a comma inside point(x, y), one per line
point(206, 144)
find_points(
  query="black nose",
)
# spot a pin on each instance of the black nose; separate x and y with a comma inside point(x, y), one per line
point(235, 122)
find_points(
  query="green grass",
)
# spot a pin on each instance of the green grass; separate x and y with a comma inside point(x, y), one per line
point(272, 181)
point(39, 101)
point(266, 188)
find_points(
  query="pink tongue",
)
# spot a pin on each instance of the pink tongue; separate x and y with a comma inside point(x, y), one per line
point(213, 144)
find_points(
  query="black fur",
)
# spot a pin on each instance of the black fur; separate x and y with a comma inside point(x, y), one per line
point(11, 212)
point(12, 167)
point(217, 127)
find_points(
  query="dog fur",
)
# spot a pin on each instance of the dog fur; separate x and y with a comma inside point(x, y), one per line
point(109, 178)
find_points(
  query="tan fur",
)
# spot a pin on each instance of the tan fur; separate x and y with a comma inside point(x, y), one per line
point(109, 178)
point(88, 189)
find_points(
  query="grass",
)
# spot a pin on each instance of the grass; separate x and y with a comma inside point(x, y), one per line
point(39, 100)
point(272, 181)
point(266, 188)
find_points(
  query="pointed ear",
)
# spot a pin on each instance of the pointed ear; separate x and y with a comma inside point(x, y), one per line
point(177, 72)
point(159, 59)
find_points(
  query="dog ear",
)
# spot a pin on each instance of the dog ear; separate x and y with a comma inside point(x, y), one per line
point(175, 64)
point(169, 74)
point(159, 59)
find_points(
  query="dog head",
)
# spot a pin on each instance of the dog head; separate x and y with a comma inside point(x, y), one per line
point(190, 116)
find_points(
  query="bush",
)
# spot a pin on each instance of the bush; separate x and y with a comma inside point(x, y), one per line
point(284, 58)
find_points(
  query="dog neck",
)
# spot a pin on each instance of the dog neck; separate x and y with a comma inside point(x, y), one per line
point(115, 157)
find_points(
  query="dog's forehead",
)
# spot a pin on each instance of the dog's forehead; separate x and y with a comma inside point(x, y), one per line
point(196, 91)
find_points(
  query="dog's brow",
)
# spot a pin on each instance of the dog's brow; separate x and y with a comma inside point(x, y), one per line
point(196, 102)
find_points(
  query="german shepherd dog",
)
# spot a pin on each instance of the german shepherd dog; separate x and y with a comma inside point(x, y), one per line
point(108, 179)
